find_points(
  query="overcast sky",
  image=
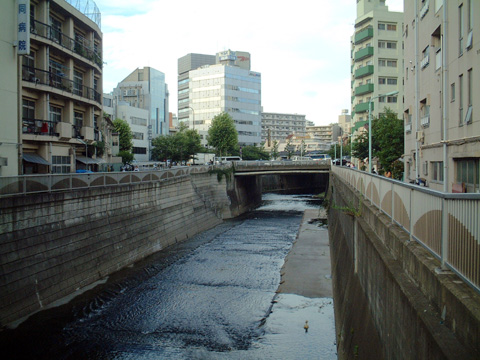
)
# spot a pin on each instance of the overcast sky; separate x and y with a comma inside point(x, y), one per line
point(301, 48)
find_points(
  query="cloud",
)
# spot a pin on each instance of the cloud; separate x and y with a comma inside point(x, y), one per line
point(302, 50)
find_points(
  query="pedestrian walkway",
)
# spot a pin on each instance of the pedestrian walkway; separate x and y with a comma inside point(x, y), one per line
point(307, 268)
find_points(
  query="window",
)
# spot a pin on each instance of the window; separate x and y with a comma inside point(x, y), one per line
point(77, 83)
point(460, 29)
point(55, 114)
point(437, 171)
point(60, 164)
point(460, 97)
point(392, 63)
point(452, 92)
point(77, 123)
point(391, 27)
point(28, 109)
point(382, 62)
point(55, 30)
point(392, 81)
point(381, 26)
point(382, 80)
point(468, 172)
point(392, 99)
point(137, 135)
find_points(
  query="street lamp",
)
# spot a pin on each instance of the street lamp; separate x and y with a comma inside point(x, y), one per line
point(392, 93)
point(193, 127)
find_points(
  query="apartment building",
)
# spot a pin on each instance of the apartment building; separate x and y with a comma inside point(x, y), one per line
point(377, 61)
point(58, 53)
point(277, 126)
point(442, 86)
point(345, 122)
point(228, 86)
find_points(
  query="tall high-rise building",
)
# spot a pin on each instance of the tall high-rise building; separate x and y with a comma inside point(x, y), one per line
point(226, 86)
point(377, 60)
point(58, 125)
point(145, 88)
point(442, 86)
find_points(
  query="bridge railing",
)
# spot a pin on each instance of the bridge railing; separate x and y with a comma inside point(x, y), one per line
point(446, 224)
point(241, 165)
point(31, 184)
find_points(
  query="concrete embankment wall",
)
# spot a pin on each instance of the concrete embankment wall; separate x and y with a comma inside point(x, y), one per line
point(53, 244)
point(391, 302)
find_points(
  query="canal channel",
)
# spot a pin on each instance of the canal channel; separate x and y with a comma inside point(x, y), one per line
point(211, 297)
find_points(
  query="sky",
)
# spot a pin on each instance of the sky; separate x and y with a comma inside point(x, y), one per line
point(301, 48)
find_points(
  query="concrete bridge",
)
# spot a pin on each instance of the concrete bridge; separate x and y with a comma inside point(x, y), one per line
point(405, 260)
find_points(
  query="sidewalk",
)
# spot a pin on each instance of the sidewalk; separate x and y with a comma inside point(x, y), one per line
point(307, 270)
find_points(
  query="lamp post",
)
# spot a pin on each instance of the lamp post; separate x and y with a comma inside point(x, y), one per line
point(392, 93)
point(193, 127)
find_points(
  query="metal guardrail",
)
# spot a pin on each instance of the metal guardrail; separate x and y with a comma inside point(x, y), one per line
point(446, 224)
point(33, 184)
point(242, 165)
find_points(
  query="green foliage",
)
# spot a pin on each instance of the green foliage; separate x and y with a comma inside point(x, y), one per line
point(251, 152)
point(100, 146)
point(274, 151)
point(125, 134)
point(127, 156)
point(180, 146)
point(387, 140)
point(221, 172)
point(222, 134)
point(290, 149)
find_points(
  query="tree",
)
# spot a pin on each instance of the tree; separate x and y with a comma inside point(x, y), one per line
point(387, 141)
point(251, 152)
point(222, 134)
point(274, 151)
point(289, 148)
point(124, 133)
point(178, 147)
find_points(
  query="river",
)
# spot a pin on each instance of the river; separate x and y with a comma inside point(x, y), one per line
point(211, 297)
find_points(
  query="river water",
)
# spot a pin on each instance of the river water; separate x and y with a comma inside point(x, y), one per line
point(212, 297)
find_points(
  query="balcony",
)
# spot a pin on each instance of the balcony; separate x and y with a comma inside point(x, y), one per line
point(363, 89)
point(42, 77)
point(364, 71)
point(362, 107)
point(38, 127)
point(364, 53)
point(363, 35)
point(79, 47)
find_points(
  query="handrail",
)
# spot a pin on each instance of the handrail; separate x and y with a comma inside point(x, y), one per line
point(48, 183)
point(446, 224)
point(48, 32)
point(43, 77)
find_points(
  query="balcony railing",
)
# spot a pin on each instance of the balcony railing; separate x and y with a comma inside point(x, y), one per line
point(362, 107)
point(364, 53)
point(363, 35)
point(364, 71)
point(364, 89)
point(79, 47)
point(38, 127)
point(57, 81)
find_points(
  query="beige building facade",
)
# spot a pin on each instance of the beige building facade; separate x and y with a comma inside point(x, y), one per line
point(52, 103)
point(442, 93)
point(9, 95)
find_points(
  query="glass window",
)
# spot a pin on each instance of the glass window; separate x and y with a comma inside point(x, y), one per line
point(61, 164)
point(77, 82)
point(55, 114)
point(452, 92)
point(28, 109)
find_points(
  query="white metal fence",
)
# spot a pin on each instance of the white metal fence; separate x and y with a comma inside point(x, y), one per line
point(446, 224)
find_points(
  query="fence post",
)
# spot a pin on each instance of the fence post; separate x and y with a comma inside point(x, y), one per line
point(444, 248)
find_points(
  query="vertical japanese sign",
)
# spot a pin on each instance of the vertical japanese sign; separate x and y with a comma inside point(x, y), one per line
point(23, 26)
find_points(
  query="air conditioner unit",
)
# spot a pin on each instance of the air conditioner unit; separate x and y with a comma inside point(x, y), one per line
point(420, 135)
